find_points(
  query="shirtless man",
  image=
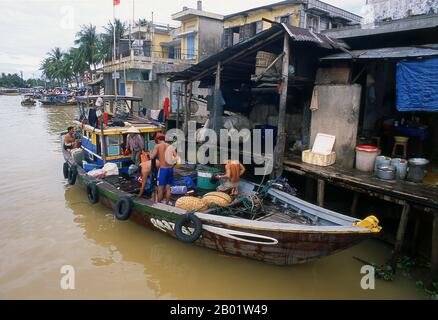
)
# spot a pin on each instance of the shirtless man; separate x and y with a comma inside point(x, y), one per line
point(147, 168)
point(165, 173)
point(70, 141)
point(233, 171)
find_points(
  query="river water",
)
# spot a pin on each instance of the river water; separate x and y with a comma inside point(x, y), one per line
point(46, 224)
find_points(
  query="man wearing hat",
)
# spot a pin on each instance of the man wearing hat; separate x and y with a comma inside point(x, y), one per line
point(135, 144)
point(167, 156)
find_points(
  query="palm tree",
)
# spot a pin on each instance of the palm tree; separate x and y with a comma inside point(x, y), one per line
point(77, 64)
point(88, 41)
point(107, 38)
point(52, 65)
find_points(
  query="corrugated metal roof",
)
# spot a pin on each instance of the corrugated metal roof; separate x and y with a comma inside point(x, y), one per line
point(387, 53)
point(274, 33)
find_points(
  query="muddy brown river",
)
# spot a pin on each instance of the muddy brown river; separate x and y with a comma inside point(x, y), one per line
point(47, 224)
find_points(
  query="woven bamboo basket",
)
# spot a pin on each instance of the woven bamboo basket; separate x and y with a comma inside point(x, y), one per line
point(191, 204)
point(219, 199)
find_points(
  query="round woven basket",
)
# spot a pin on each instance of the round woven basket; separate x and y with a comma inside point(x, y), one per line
point(191, 204)
point(219, 199)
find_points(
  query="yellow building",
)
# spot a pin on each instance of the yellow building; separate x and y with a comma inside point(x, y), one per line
point(312, 14)
point(200, 33)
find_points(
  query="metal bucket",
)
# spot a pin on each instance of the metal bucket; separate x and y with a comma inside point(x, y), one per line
point(417, 169)
point(401, 166)
point(386, 172)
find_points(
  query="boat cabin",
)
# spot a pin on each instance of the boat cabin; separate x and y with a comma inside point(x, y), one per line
point(104, 124)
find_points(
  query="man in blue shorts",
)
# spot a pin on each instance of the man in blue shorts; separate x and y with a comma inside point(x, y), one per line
point(166, 155)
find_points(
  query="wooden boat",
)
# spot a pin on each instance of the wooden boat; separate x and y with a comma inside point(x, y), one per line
point(263, 223)
point(28, 100)
point(58, 100)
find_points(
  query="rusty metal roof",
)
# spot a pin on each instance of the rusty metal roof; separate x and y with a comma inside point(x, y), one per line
point(260, 40)
point(387, 53)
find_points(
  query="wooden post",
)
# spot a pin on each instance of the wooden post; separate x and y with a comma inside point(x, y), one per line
point(309, 189)
point(188, 97)
point(400, 235)
point(414, 242)
point(281, 139)
point(217, 108)
point(321, 193)
point(178, 106)
point(354, 204)
point(434, 256)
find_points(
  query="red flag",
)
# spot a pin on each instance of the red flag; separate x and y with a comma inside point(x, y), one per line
point(116, 2)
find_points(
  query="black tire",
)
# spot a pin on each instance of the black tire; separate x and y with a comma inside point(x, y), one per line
point(123, 208)
point(92, 193)
point(65, 169)
point(72, 175)
point(187, 218)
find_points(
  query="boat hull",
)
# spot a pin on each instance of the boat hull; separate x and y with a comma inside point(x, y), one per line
point(228, 235)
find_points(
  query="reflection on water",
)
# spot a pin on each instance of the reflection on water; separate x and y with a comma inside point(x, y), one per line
point(47, 224)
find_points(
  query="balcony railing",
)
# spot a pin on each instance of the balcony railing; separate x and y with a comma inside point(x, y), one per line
point(145, 57)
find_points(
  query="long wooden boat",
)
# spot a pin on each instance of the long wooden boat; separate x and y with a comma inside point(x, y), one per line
point(58, 100)
point(284, 229)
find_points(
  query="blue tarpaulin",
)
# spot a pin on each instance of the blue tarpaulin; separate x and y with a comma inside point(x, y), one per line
point(417, 85)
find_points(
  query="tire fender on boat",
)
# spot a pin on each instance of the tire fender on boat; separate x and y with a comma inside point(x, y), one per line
point(65, 169)
point(123, 208)
point(183, 237)
point(72, 175)
point(92, 193)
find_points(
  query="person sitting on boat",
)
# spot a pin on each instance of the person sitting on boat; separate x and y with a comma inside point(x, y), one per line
point(70, 141)
point(135, 144)
point(166, 155)
point(233, 171)
point(149, 167)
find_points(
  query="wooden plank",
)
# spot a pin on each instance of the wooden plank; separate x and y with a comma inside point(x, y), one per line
point(394, 191)
point(400, 235)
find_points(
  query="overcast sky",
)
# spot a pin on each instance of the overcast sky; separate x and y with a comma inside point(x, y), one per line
point(30, 28)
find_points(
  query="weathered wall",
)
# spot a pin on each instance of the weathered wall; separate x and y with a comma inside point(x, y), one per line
point(209, 37)
point(338, 115)
point(108, 83)
point(379, 10)
point(186, 26)
point(292, 10)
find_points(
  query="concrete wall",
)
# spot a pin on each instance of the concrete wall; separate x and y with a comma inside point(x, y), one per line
point(108, 83)
point(338, 115)
point(209, 37)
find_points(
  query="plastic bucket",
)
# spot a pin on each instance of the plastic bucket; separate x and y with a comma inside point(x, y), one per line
point(204, 176)
point(365, 157)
